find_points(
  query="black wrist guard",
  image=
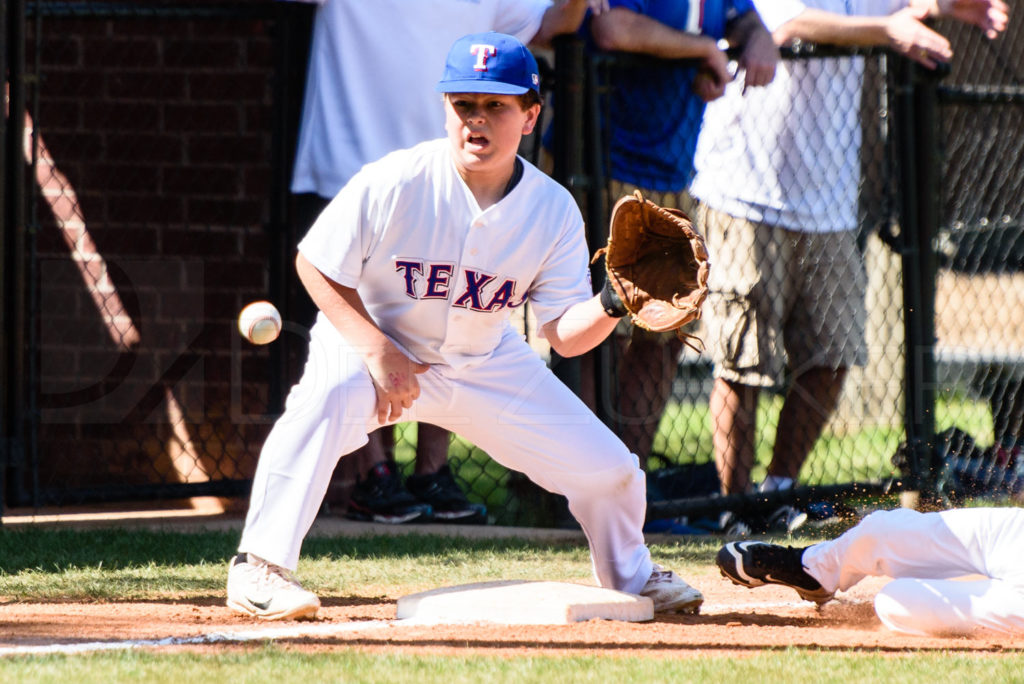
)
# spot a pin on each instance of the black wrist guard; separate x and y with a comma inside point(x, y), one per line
point(611, 302)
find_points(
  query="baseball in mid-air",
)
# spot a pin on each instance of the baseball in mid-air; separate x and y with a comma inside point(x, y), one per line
point(260, 322)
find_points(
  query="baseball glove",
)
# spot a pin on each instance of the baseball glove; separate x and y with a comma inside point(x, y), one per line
point(657, 266)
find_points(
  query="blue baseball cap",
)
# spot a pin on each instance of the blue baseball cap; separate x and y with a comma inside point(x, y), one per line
point(489, 63)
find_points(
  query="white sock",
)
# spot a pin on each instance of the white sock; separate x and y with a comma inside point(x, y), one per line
point(775, 483)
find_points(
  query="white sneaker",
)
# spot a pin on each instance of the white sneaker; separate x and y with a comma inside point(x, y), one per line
point(671, 594)
point(268, 591)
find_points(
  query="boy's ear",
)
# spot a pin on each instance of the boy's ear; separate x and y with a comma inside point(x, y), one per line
point(532, 117)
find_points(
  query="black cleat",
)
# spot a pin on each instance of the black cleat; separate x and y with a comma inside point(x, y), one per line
point(786, 520)
point(754, 564)
point(445, 497)
point(380, 497)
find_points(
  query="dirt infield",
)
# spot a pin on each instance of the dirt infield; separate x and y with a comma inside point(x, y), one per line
point(735, 621)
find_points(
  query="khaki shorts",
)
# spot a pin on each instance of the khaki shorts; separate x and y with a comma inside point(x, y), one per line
point(781, 298)
point(670, 200)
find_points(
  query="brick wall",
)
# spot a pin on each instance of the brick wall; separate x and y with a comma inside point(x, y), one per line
point(152, 219)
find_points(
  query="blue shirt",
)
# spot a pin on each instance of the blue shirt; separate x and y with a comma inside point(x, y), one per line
point(655, 116)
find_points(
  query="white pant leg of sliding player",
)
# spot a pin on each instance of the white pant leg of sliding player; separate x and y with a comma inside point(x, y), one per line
point(525, 418)
point(924, 551)
point(327, 414)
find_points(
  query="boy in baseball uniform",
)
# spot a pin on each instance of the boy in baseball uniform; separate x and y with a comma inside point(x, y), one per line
point(924, 553)
point(416, 266)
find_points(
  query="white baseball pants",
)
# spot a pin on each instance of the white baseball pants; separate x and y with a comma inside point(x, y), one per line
point(923, 552)
point(510, 405)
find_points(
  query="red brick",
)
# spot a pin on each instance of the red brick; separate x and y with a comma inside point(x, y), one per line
point(120, 51)
point(230, 276)
point(235, 149)
point(201, 54)
point(135, 209)
point(256, 244)
point(145, 301)
point(71, 83)
point(259, 52)
point(49, 241)
point(225, 212)
point(65, 145)
point(182, 305)
point(257, 118)
point(93, 205)
point(107, 177)
point(257, 182)
point(201, 180)
point(196, 243)
point(146, 85)
point(193, 118)
point(218, 336)
point(128, 116)
point(158, 27)
point(151, 147)
point(240, 28)
point(56, 116)
point(60, 50)
point(133, 241)
point(59, 365)
point(229, 86)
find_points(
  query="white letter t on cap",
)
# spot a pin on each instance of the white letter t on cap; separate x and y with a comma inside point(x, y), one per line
point(482, 52)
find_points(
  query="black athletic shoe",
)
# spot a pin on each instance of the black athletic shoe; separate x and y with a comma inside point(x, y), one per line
point(733, 526)
point(380, 497)
point(754, 564)
point(786, 520)
point(446, 498)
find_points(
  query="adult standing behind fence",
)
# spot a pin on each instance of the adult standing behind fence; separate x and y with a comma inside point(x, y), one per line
point(370, 91)
point(655, 113)
point(778, 177)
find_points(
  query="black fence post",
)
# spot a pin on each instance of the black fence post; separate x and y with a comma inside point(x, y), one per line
point(12, 250)
point(919, 156)
point(596, 215)
point(569, 169)
point(4, 324)
point(568, 154)
point(292, 26)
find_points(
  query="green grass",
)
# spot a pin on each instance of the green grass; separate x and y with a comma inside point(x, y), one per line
point(45, 565)
point(115, 565)
point(108, 565)
point(272, 663)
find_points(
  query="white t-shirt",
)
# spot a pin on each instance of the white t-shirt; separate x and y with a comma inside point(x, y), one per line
point(372, 69)
point(437, 274)
point(788, 154)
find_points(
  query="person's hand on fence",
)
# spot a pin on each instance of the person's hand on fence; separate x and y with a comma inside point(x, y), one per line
point(758, 59)
point(910, 37)
point(598, 6)
point(989, 15)
point(712, 76)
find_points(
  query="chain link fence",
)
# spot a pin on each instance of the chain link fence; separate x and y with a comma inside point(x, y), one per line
point(148, 145)
point(979, 248)
point(152, 148)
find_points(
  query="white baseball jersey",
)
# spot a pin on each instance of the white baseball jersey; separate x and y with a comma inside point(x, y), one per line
point(924, 552)
point(373, 65)
point(438, 275)
point(788, 154)
point(441, 277)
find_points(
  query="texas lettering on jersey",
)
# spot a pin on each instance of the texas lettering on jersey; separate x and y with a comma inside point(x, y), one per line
point(480, 291)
